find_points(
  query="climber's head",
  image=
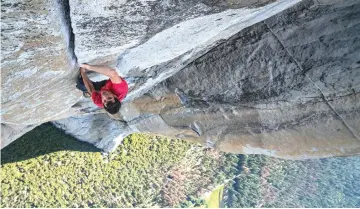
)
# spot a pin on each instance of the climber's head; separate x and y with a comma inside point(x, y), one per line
point(110, 101)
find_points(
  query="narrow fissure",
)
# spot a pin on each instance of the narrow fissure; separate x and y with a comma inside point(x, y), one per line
point(63, 7)
point(316, 86)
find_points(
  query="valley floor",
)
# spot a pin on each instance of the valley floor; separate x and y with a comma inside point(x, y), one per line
point(47, 168)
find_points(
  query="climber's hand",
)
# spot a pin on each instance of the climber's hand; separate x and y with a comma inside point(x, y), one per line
point(82, 70)
point(85, 66)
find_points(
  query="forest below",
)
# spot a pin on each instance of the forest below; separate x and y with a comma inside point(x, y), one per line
point(47, 168)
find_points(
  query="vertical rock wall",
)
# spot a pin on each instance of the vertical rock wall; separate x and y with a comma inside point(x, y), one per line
point(35, 66)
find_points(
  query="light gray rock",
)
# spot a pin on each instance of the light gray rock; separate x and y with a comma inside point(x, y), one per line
point(105, 29)
point(104, 132)
point(36, 75)
point(254, 81)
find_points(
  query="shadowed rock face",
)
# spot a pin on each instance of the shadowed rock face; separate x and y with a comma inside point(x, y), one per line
point(255, 81)
point(270, 90)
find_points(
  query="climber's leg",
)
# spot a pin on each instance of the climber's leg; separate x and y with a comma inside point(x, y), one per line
point(81, 86)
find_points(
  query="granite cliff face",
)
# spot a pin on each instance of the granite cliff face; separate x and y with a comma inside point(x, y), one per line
point(277, 78)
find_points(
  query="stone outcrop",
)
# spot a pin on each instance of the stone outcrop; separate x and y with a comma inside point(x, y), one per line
point(256, 80)
point(35, 62)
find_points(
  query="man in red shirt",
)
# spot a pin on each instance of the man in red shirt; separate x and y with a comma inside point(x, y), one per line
point(105, 94)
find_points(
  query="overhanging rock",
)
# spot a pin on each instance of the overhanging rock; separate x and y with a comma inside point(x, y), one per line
point(284, 87)
point(48, 92)
point(256, 80)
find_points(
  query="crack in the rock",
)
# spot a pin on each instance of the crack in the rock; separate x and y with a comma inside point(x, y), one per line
point(318, 88)
point(331, 107)
point(63, 9)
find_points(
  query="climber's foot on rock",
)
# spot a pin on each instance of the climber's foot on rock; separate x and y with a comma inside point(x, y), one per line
point(81, 86)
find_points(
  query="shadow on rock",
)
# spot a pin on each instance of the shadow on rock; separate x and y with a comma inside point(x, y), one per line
point(44, 139)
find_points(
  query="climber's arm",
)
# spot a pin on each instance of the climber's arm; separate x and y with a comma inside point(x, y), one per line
point(88, 84)
point(105, 70)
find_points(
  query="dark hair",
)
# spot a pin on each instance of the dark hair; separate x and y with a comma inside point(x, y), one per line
point(113, 107)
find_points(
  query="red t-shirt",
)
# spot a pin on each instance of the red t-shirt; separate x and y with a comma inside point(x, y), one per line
point(119, 89)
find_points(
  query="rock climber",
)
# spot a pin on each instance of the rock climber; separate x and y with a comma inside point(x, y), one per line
point(106, 94)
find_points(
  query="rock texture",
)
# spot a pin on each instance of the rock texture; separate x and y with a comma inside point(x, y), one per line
point(258, 80)
point(106, 134)
point(35, 63)
point(105, 29)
